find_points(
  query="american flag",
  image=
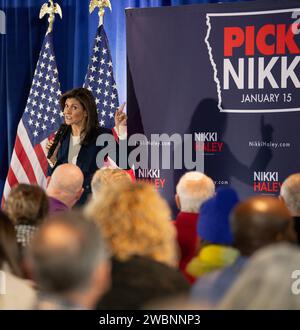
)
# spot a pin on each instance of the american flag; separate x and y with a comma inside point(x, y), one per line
point(100, 80)
point(42, 117)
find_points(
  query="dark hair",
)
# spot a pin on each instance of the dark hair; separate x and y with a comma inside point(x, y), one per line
point(87, 100)
point(254, 226)
point(27, 205)
point(66, 264)
point(8, 245)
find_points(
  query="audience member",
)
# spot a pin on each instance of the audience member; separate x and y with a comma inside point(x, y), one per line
point(69, 262)
point(64, 187)
point(256, 222)
point(108, 176)
point(290, 193)
point(214, 232)
point(27, 206)
point(135, 220)
point(192, 190)
point(15, 292)
point(267, 281)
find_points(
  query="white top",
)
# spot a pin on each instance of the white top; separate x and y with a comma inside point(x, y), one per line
point(15, 293)
point(74, 148)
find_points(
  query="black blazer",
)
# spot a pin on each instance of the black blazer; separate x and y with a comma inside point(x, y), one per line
point(86, 160)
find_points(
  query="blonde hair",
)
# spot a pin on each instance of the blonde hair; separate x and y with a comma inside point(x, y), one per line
point(135, 220)
point(105, 176)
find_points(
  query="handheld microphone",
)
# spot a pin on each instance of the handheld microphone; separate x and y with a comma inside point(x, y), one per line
point(60, 134)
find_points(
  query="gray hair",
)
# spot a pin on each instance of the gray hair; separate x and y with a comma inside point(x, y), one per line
point(193, 189)
point(266, 281)
point(290, 192)
point(65, 252)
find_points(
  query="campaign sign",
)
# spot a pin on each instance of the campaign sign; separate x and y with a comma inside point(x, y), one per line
point(229, 76)
point(255, 57)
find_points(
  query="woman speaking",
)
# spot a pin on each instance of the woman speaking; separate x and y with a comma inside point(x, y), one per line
point(78, 145)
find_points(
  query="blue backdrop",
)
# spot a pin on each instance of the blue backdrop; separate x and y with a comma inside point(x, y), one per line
point(178, 82)
point(73, 38)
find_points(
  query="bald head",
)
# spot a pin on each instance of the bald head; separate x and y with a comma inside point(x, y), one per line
point(67, 177)
point(260, 221)
point(66, 184)
point(290, 193)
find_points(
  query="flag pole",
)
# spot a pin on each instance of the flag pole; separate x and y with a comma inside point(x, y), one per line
point(101, 4)
point(51, 9)
point(100, 78)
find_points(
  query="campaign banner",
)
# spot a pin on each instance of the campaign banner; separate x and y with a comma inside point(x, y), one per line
point(256, 66)
point(228, 75)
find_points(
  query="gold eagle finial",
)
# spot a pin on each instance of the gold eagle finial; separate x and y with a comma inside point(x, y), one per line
point(50, 9)
point(101, 4)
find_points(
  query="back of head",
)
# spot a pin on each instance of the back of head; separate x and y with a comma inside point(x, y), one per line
point(259, 221)
point(108, 176)
point(67, 178)
point(27, 205)
point(290, 192)
point(213, 222)
point(193, 189)
point(8, 245)
point(65, 253)
point(266, 281)
point(135, 220)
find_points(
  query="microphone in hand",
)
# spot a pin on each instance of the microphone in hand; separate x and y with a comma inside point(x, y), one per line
point(60, 134)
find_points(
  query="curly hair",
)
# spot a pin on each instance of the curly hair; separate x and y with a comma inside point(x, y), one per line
point(108, 176)
point(135, 220)
point(27, 205)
